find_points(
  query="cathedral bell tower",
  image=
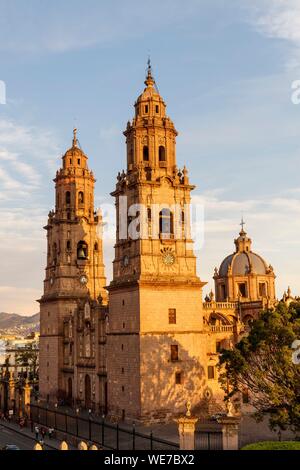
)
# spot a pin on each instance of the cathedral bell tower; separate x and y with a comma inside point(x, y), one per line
point(155, 296)
point(74, 272)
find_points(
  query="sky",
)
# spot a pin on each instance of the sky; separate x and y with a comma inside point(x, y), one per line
point(225, 69)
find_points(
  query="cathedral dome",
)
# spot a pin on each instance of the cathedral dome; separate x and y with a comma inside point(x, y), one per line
point(241, 264)
point(244, 276)
point(244, 261)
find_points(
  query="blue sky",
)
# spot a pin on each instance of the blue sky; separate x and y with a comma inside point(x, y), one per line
point(225, 70)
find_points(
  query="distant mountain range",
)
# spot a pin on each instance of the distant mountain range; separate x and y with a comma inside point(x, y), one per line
point(15, 323)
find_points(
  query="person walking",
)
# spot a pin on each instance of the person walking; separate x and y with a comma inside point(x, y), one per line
point(37, 431)
point(50, 432)
point(43, 433)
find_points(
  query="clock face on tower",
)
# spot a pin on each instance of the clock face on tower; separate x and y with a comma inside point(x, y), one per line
point(168, 258)
point(83, 280)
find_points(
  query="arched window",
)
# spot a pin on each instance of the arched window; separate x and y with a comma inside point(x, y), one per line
point(82, 250)
point(166, 225)
point(68, 245)
point(96, 246)
point(145, 153)
point(162, 153)
point(68, 197)
point(80, 197)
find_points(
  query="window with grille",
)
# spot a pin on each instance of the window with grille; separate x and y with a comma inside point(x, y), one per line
point(172, 316)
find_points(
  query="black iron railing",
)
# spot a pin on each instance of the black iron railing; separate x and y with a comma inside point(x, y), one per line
point(107, 435)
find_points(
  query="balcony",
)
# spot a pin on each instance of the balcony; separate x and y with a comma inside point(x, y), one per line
point(221, 328)
point(220, 305)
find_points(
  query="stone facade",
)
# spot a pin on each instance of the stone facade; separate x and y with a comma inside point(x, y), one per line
point(73, 304)
point(153, 344)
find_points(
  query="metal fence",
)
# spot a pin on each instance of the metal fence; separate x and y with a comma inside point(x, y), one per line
point(209, 440)
point(102, 433)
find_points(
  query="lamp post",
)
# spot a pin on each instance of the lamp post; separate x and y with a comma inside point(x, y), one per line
point(90, 425)
point(77, 413)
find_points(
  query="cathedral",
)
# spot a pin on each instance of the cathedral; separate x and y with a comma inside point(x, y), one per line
point(143, 345)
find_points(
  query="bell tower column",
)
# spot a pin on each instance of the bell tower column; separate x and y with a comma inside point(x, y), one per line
point(155, 298)
point(74, 272)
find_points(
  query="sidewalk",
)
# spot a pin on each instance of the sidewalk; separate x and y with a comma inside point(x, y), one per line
point(49, 444)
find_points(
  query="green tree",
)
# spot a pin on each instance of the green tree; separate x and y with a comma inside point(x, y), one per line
point(262, 364)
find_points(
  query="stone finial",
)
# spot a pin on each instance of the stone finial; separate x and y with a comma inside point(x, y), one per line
point(63, 446)
point(38, 446)
point(82, 446)
point(229, 408)
point(93, 447)
point(185, 175)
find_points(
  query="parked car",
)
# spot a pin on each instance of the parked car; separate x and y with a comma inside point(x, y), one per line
point(10, 447)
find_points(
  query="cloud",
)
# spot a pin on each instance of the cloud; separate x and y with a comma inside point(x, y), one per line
point(25, 155)
point(279, 19)
point(25, 151)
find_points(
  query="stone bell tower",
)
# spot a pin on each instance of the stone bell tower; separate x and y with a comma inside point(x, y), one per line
point(74, 273)
point(155, 297)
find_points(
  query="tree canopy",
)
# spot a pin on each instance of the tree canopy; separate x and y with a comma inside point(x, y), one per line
point(263, 363)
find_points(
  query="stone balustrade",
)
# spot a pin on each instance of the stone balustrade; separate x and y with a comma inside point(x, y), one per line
point(220, 305)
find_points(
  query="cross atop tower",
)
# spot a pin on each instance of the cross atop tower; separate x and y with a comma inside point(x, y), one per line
point(242, 224)
point(74, 137)
point(149, 78)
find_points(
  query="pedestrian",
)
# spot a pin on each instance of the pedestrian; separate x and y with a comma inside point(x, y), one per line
point(50, 432)
point(43, 433)
point(36, 430)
